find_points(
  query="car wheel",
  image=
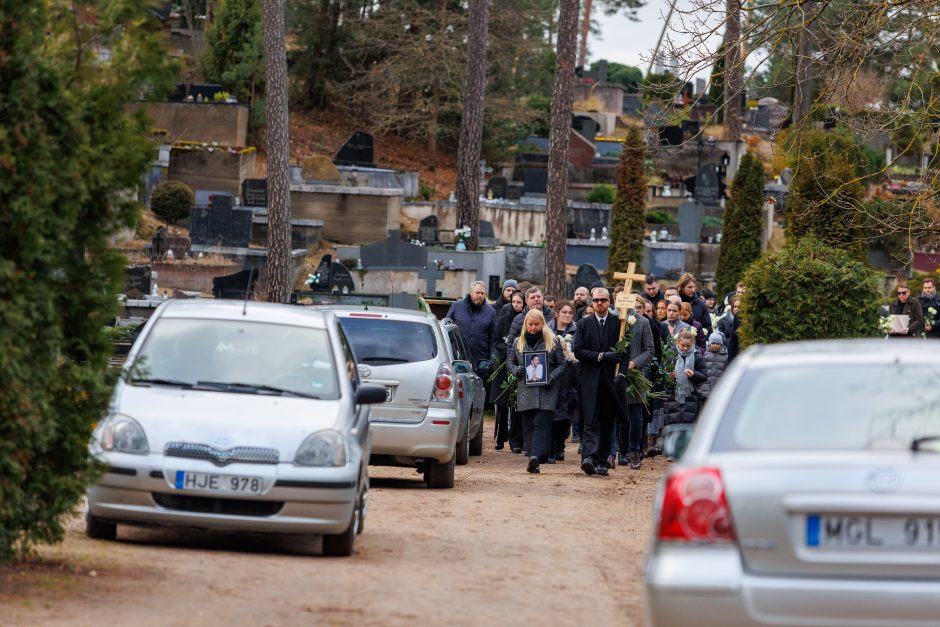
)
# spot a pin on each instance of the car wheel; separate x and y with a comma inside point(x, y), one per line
point(463, 447)
point(439, 475)
point(476, 444)
point(99, 529)
point(341, 544)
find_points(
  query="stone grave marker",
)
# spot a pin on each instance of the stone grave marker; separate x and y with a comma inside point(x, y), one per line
point(234, 286)
point(691, 127)
point(667, 263)
point(319, 168)
point(691, 219)
point(393, 253)
point(670, 136)
point(487, 235)
point(430, 276)
point(514, 192)
point(342, 278)
point(138, 281)
point(707, 187)
point(204, 197)
point(359, 150)
point(160, 243)
point(323, 275)
point(761, 117)
point(498, 185)
point(221, 223)
point(255, 193)
point(535, 182)
point(428, 229)
point(586, 276)
point(586, 126)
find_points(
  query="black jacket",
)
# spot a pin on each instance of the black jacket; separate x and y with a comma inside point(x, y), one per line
point(699, 312)
point(687, 411)
point(926, 303)
point(478, 325)
point(506, 317)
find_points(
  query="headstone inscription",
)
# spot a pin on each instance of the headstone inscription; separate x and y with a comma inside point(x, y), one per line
point(255, 192)
point(342, 278)
point(586, 276)
point(535, 182)
point(707, 188)
point(359, 150)
point(498, 186)
point(428, 229)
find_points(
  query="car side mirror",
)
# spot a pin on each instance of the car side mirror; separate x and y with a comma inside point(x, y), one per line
point(485, 364)
point(676, 439)
point(462, 367)
point(370, 395)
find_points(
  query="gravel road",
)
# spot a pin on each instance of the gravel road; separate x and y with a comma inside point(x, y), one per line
point(503, 547)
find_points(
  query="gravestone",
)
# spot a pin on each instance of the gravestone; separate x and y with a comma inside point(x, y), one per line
point(761, 117)
point(234, 286)
point(670, 136)
point(255, 192)
point(667, 263)
point(221, 224)
point(393, 253)
point(323, 275)
point(138, 280)
point(586, 126)
point(514, 192)
point(161, 243)
point(359, 150)
point(342, 278)
point(498, 185)
point(707, 185)
point(319, 168)
point(534, 182)
point(428, 229)
point(430, 276)
point(586, 276)
point(204, 197)
point(487, 235)
point(691, 127)
point(691, 219)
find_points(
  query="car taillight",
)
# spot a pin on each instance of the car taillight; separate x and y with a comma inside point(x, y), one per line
point(695, 508)
point(444, 383)
point(459, 389)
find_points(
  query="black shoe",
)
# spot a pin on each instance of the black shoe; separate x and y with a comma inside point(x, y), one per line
point(576, 439)
point(499, 446)
point(588, 467)
point(559, 457)
point(622, 460)
point(517, 450)
point(636, 460)
point(550, 460)
point(602, 471)
point(533, 466)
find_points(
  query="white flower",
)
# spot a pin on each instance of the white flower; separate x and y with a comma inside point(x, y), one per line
point(693, 331)
point(569, 338)
point(932, 310)
point(631, 320)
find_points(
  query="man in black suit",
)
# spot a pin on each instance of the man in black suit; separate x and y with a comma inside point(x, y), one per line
point(599, 403)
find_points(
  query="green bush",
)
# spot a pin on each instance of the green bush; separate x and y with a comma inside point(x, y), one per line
point(809, 290)
point(741, 238)
point(628, 212)
point(658, 216)
point(172, 201)
point(602, 194)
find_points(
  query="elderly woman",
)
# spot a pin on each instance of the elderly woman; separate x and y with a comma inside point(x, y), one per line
point(535, 404)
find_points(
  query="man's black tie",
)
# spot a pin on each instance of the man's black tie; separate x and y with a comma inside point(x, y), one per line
point(602, 321)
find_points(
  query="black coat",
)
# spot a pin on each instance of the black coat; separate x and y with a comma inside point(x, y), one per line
point(516, 329)
point(687, 411)
point(478, 325)
point(699, 312)
point(734, 342)
point(506, 317)
point(926, 303)
point(568, 386)
point(588, 342)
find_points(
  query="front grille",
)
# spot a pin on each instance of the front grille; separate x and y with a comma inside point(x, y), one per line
point(220, 457)
point(209, 505)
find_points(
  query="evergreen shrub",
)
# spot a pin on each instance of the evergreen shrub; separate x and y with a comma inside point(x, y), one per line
point(172, 201)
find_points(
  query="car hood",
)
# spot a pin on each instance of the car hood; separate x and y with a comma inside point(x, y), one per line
point(223, 419)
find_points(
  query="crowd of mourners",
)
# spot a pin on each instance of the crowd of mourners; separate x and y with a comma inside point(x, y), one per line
point(559, 375)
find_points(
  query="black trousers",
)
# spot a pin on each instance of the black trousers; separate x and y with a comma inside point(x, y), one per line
point(598, 429)
point(516, 434)
point(537, 427)
point(502, 424)
point(560, 431)
point(630, 431)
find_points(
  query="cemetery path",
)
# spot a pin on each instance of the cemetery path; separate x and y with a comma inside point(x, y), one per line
point(502, 547)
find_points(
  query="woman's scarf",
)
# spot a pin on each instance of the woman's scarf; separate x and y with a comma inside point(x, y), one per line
point(684, 361)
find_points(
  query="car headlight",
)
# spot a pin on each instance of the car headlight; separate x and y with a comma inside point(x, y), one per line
point(122, 434)
point(324, 448)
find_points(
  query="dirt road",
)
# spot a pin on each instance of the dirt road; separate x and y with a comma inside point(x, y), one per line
point(503, 547)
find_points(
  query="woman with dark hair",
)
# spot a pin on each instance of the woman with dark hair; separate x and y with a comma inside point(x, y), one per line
point(506, 429)
point(567, 414)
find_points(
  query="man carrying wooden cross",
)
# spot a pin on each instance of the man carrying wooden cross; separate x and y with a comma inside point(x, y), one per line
point(602, 388)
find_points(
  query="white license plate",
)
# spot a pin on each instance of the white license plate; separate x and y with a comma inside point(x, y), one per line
point(836, 531)
point(235, 484)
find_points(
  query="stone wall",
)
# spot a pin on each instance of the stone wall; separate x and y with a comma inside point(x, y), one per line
point(226, 124)
point(455, 284)
point(191, 277)
point(350, 215)
point(599, 97)
point(219, 170)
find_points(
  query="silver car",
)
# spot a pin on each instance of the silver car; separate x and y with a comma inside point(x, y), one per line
point(433, 415)
point(808, 494)
point(237, 416)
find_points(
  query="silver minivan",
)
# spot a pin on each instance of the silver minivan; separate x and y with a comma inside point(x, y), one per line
point(432, 417)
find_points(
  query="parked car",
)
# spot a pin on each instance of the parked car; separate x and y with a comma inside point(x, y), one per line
point(247, 417)
point(808, 493)
point(433, 415)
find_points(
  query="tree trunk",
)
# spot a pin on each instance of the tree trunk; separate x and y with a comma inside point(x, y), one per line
point(556, 215)
point(278, 147)
point(471, 123)
point(733, 69)
point(585, 31)
point(803, 89)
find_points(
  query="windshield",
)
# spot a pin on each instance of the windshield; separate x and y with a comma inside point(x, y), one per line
point(259, 357)
point(840, 407)
point(380, 341)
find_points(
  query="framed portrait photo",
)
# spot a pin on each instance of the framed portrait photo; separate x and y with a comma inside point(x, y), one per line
point(536, 367)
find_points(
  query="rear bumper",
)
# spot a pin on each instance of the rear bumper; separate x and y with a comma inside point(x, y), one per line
point(422, 440)
point(706, 586)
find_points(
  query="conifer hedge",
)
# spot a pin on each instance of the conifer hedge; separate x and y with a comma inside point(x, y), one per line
point(628, 212)
point(741, 238)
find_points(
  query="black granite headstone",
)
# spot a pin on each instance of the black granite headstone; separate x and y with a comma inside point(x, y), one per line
point(498, 185)
point(255, 192)
point(586, 126)
point(487, 234)
point(342, 279)
point(393, 253)
point(428, 229)
point(586, 276)
point(707, 187)
point(235, 285)
point(220, 223)
point(670, 136)
point(138, 279)
point(534, 182)
point(359, 150)
point(323, 275)
point(761, 117)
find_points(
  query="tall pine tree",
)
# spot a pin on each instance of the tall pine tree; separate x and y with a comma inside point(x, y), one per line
point(741, 239)
point(628, 214)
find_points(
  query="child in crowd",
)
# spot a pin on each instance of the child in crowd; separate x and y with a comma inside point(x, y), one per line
point(716, 359)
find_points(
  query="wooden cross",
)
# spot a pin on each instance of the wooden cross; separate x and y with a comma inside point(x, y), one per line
point(627, 299)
